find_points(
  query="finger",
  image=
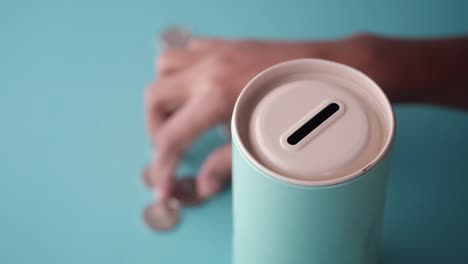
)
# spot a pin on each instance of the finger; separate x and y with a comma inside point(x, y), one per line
point(161, 173)
point(174, 60)
point(177, 135)
point(162, 99)
point(215, 172)
point(204, 44)
point(197, 115)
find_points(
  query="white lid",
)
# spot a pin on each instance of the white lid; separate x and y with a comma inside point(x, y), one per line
point(314, 122)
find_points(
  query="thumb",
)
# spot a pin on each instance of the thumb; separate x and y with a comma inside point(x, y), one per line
point(215, 172)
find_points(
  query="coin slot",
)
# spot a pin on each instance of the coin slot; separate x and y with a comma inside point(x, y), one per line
point(313, 123)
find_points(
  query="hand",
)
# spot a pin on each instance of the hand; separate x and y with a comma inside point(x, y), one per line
point(197, 87)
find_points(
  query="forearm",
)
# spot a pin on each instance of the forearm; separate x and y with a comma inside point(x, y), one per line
point(423, 71)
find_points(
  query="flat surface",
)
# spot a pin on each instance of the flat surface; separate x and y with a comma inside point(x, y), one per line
point(72, 140)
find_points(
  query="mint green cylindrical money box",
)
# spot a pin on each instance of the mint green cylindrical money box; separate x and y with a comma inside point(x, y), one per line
point(310, 145)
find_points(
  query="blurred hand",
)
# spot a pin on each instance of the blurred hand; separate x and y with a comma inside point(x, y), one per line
point(196, 88)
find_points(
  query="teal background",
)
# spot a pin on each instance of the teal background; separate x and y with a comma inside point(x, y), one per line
point(72, 140)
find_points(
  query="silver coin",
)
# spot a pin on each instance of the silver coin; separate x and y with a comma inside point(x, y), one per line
point(162, 215)
point(175, 37)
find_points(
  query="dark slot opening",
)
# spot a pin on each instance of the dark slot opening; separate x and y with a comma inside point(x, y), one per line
point(313, 123)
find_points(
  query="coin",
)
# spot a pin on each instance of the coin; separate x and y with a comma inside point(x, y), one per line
point(184, 190)
point(175, 37)
point(162, 215)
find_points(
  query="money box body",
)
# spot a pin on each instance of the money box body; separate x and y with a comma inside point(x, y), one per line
point(322, 201)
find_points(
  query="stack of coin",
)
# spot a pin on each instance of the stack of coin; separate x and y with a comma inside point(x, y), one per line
point(164, 214)
point(161, 215)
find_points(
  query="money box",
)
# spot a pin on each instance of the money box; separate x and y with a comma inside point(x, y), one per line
point(310, 162)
